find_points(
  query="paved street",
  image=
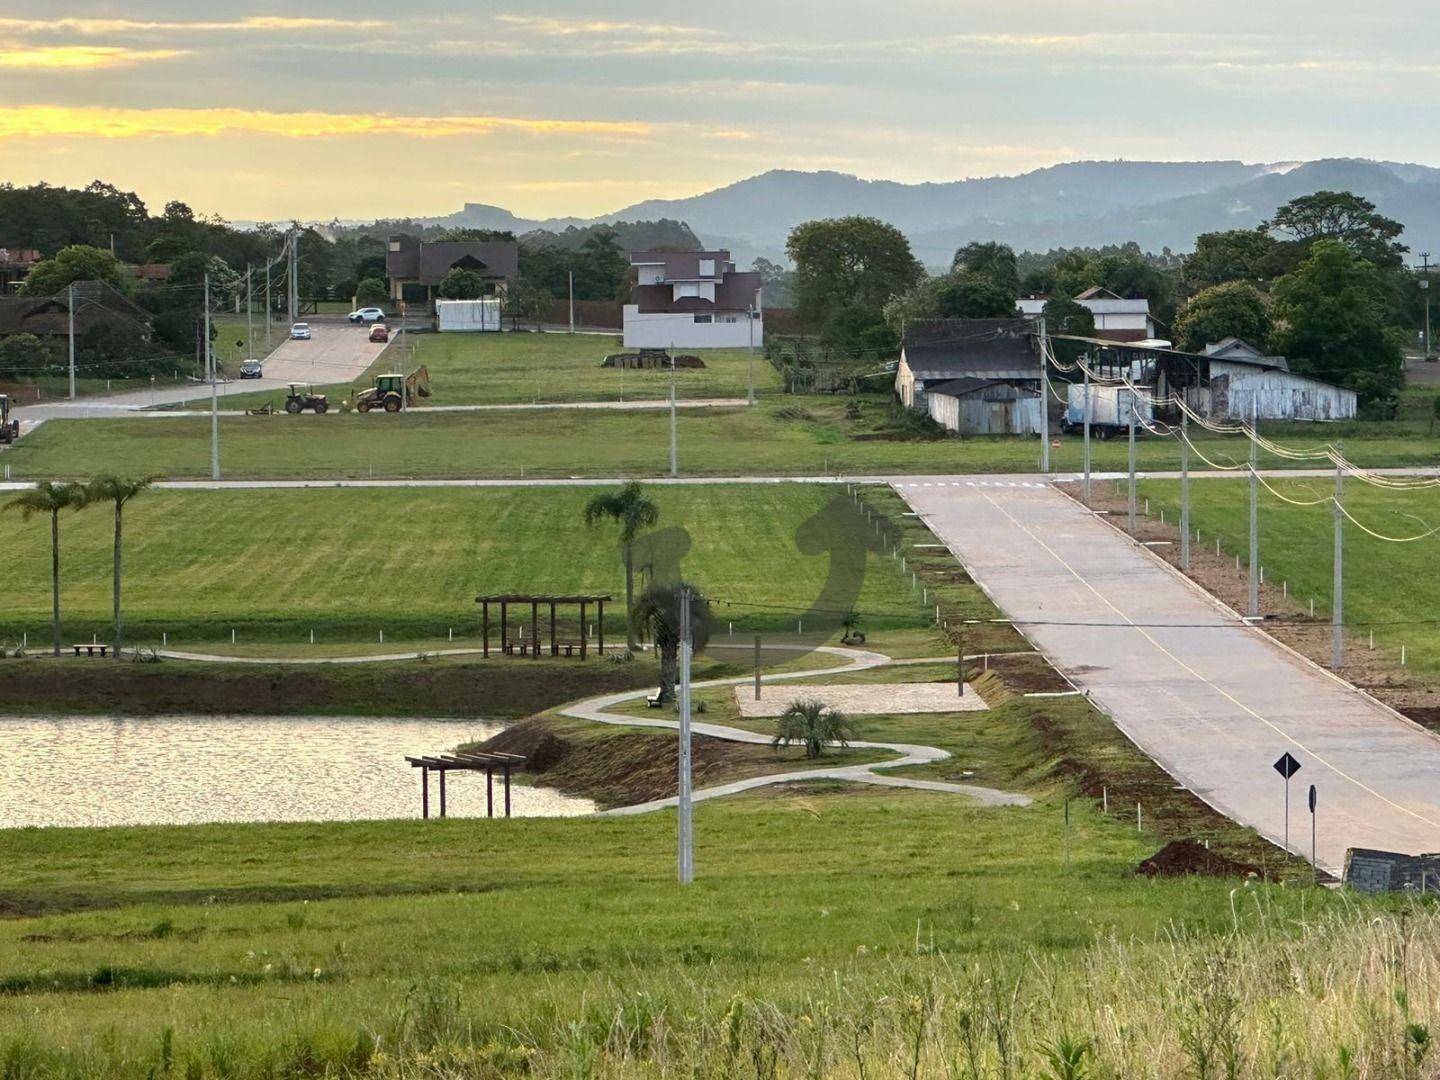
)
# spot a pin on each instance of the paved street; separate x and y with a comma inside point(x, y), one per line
point(337, 353)
point(1214, 701)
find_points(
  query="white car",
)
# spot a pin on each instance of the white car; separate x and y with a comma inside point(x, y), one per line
point(300, 332)
point(367, 315)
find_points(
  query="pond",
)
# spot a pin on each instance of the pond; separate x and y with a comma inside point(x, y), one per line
point(183, 770)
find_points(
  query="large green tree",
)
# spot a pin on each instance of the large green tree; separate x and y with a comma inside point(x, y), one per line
point(78, 262)
point(1344, 216)
point(990, 261)
point(1331, 314)
point(851, 262)
point(1233, 255)
point(461, 284)
point(1235, 308)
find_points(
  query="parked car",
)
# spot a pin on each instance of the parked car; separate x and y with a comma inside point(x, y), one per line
point(379, 332)
point(300, 332)
point(251, 369)
point(367, 315)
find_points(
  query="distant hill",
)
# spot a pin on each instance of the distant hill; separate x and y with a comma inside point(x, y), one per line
point(664, 234)
point(1083, 203)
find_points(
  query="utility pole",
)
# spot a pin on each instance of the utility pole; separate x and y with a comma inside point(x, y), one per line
point(294, 275)
point(1044, 400)
point(1086, 370)
point(1254, 512)
point(750, 398)
point(249, 315)
point(1337, 616)
point(572, 301)
point(1131, 392)
point(70, 303)
point(687, 836)
point(1425, 287)
point(269, 300)
point(214, 392)
point(1184, 490)
point(674, 441)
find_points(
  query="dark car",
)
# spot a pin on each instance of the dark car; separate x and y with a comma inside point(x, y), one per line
point(251, 369)
point(379, 332)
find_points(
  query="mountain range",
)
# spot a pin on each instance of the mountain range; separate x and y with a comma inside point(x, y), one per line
point(1084, 203)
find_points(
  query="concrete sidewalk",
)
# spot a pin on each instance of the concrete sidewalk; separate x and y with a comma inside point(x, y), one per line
point(1215, 702)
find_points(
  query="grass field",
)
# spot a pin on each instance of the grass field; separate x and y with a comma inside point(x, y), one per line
point(1390, 588)
point(537, 368)
point(275, 564)
point(832, 931)
point(802, 435)
point(850, 933)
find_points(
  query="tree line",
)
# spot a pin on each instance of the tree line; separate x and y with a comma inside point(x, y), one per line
point(1324, 282)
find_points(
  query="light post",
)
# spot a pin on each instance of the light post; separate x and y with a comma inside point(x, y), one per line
point(1425, 288)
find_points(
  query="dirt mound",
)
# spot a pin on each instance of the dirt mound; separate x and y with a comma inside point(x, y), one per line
point(541, 748)
point(1179, 858)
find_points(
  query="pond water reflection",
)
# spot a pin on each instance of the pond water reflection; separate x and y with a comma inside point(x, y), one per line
point(180, 770)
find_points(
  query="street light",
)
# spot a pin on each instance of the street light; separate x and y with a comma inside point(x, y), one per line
point(1425, 288)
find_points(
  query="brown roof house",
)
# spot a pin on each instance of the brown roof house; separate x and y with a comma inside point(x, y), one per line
point(692, 300)
point(96, 304)
point(416, 268)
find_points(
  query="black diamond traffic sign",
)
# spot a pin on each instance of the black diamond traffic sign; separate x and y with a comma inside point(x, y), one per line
point(1287, 766)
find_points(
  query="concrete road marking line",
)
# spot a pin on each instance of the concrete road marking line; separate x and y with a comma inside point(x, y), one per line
point(1206, 681)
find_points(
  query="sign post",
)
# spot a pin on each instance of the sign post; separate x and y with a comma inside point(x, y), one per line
point(1313, 863)
point(1287, 767)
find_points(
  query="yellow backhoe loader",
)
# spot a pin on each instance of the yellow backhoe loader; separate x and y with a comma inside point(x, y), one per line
point(394, 392)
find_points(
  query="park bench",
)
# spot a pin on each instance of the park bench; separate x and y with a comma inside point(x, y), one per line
point(91, 649)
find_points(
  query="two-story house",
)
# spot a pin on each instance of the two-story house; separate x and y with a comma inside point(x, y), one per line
point(692, 300)
point(1117, 318)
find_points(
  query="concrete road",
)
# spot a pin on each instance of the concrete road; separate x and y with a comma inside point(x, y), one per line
point(338, 352)
point(1211, 699)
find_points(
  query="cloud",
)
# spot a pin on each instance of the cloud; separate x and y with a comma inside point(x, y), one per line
point(86, 57)
point(41, 121)
point(257, 23)
point(554, 27)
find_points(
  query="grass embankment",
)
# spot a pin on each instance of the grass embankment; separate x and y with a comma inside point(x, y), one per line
point(349, 563)
point(803, 436)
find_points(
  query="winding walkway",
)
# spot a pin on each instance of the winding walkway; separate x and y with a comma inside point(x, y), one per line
point(859, 660)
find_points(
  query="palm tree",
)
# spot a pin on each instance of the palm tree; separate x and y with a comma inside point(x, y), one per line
point(50, 498)
point(118, 490)
point(815, 724)
point(659, 610)
point(633, 511)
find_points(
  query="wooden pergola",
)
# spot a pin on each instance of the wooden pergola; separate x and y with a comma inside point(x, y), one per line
point(473, 761)
point(532, 645)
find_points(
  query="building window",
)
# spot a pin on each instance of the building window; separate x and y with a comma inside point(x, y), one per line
point(707, 267)
point(704, 318)
point(686, 290)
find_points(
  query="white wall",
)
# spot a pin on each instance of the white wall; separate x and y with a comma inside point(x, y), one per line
point(661, 330)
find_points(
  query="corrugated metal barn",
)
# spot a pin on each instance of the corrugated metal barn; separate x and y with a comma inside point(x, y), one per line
point(981, 407)
point(974, 376)
point(1231, 380)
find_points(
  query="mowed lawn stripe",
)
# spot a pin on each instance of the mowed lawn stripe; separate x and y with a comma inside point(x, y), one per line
point(332, 557)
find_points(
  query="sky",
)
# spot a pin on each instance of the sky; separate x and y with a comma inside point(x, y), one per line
point(322, 110)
